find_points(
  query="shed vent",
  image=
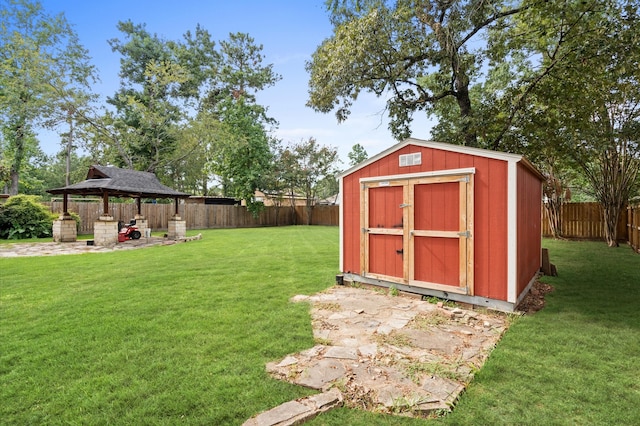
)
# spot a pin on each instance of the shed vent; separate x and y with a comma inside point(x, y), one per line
point(414, 159)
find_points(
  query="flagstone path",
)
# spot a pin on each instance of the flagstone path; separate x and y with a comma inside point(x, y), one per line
point(389, 354)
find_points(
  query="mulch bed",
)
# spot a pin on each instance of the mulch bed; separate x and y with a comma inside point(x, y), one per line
point(534, 300)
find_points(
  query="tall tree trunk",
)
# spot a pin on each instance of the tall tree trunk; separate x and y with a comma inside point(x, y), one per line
point(15, 180)
point(464, 103)
point(611, 215)
point(18, 157)
point(309, 211)
point(555, 193)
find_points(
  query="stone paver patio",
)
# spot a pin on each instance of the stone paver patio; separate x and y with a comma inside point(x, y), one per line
point(389, 354)
point(53, 249)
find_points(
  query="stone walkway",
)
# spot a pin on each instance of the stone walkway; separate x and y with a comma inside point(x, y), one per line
point(398, 355)
point(78, 247)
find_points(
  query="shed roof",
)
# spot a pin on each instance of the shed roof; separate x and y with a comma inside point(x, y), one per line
point(115, 181)
point(479, 152)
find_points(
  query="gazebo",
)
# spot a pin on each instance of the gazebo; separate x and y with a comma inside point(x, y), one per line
point(109, 181)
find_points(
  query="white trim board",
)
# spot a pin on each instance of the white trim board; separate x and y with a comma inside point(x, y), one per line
point(435, 173)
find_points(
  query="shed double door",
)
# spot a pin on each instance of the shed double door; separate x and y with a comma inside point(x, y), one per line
point(419, 231)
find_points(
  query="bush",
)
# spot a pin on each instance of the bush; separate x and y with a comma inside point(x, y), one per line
point(22, 216)
point(77, 218)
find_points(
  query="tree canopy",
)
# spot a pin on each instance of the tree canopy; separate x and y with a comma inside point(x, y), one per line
point(43, 66)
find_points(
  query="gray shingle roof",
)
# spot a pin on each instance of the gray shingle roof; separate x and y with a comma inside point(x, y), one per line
point(120, 182)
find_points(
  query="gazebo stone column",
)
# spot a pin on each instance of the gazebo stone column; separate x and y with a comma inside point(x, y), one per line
point(65, 229)
point(177, 228)
point(105, 231)
point(142, 223)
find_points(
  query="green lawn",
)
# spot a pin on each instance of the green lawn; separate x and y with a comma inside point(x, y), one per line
point(181, 334)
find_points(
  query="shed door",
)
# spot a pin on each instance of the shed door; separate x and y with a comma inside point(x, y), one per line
point(419, 231)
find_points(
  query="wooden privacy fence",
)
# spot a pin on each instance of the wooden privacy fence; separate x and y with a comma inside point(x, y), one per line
point(579, 220)
point(198, 216)
point(584, 221)
point(633, 227)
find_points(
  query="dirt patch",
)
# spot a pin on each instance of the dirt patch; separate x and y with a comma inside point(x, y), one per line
point(534, 300)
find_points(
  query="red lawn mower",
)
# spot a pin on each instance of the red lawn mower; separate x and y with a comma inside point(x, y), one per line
point(128, 232)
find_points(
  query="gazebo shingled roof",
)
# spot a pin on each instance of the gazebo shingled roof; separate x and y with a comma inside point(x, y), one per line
point(117, 182)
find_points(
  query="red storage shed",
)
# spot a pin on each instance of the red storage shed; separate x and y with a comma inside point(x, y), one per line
point(443, 220)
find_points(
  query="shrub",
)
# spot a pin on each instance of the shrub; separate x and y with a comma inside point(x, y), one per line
point(22, 216)
point(78, 220)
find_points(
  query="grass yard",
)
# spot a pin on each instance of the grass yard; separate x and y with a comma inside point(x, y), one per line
point(162, 335)
point(181, 335)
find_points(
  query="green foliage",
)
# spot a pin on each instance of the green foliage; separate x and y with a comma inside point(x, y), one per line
point(311, 168)
point(41, 60)
point(417, 54)
point(242, 161)
point(22, 216)
point(357, 154)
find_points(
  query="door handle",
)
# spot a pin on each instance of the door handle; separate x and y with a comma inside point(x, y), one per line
point(401, 251)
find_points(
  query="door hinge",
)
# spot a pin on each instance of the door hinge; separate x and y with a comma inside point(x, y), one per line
point(464, 179)
point(365, 230)
point(403, 205)
point(465, 234)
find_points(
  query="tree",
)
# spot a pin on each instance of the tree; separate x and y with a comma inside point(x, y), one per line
point(357, 154)
point(156, 84)
point(314, 163)
point(277, 181)
point(595, 96)
point(433, 56)
point(40, 60)
point(244, 160)
point(242, 72)
point(52, 171)
point(416, 52)
point(184, 104)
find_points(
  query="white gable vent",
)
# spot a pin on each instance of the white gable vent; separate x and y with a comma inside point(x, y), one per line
point(414, 159)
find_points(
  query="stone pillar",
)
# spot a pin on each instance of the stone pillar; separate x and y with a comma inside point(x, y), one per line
point(105, 231)
point(65, 229)
point(142, 224)
point(177, 228)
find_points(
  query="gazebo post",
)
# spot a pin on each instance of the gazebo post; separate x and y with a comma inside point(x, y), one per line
point(65, 204)
point(105, 229)
point(65, 228)
point(105, 204)
point(177, 227)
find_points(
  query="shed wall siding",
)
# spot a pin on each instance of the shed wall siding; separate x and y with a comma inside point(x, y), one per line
point(490, 197)
point(529, 226)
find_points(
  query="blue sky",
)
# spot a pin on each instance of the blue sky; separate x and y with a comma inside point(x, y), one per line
point(289, 30)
